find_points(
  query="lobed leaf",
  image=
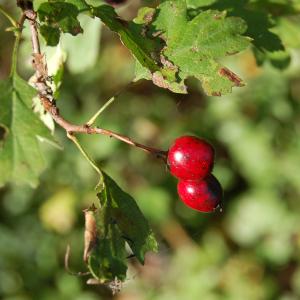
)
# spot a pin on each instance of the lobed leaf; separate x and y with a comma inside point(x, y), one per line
point(196, 45)
point(169, 47)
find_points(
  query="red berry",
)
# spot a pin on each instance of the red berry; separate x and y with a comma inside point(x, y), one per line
point(202, 195)
point(190, 158)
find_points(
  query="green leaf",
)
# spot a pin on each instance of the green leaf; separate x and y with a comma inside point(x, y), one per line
point(130, 34)
point(169, 47)
point(199, 3)
point(277, 7)
point(278, 59)
point(50, 34)
point(130, 220)
point(80, 4)
point(261, 27)
point(60, 16)
point(119, 220)
point(145, 50)
point(37, 3)
point(196, 45)
point(108, 258)
point(21, 160)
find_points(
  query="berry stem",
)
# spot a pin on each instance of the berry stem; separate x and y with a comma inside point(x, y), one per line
point(85, 154)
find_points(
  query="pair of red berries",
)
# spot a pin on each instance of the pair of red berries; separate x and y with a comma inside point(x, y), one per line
point(191, 160)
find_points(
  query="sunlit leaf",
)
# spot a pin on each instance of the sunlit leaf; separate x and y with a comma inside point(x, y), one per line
point(169, 47)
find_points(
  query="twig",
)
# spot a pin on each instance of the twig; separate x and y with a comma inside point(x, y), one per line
point(72, 128)
point(48, 101)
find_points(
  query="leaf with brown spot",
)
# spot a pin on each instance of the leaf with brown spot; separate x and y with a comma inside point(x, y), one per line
point(195, 46)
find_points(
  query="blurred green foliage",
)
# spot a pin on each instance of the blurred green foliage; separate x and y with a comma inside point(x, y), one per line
point(250, 250)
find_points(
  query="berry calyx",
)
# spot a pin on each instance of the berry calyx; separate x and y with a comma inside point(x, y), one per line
point(202, 195)
point(190, 158)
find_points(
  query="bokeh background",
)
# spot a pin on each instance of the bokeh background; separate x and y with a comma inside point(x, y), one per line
point(250, 250)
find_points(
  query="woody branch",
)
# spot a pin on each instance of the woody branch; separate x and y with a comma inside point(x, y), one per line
point(46, 94)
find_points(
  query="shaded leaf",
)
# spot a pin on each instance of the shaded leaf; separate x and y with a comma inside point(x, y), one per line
point(107, 260)
point(21, 160)
point(59, 16)
point(130, 220)
point(278, 59)
point(119, 220)
point(80, 4)
point(50, 34)
point(268, 45)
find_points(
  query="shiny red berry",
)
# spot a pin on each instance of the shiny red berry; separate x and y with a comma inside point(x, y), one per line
point(190, 158)
point(202, 195)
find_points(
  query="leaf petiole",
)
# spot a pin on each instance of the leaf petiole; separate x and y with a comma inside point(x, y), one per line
point(97, 114)
point(13, 22)
point(88, 158)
